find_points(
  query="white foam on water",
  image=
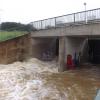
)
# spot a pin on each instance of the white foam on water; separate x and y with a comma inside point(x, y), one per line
point(38, 80)
point(20, 81)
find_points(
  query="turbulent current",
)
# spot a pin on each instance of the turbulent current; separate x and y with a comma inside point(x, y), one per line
point(37, 80)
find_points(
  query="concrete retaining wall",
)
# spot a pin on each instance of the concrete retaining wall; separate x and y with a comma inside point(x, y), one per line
point(16, 49)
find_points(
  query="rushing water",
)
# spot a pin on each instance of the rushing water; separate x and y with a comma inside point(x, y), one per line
point(37, 80)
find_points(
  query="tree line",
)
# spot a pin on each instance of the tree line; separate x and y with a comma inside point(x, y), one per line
point(13, 26)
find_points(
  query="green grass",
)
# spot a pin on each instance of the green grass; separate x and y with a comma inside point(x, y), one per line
point(10, 35)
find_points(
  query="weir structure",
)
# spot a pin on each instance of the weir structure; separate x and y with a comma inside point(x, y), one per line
point(77, 34)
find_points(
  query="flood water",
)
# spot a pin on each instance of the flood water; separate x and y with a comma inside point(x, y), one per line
point(37, 80)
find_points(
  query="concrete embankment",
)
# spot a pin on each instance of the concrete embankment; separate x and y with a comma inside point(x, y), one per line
point(16, 49)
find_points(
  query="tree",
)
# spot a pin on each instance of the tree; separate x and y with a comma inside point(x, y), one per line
point(13, 26)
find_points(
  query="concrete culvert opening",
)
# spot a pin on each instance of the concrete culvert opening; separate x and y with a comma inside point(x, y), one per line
point(94, 51)
point(51, 50)
point(46, 49)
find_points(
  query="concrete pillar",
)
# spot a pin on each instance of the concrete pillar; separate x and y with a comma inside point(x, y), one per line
point(61, 67)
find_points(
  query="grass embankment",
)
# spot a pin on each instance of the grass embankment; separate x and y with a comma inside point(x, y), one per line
point(9, 35)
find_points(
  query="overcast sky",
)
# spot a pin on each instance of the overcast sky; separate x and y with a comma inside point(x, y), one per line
point(26, 11)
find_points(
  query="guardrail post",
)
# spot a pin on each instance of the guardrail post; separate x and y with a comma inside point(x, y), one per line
point(55, 22)
point(41, 24)
point(74, 17)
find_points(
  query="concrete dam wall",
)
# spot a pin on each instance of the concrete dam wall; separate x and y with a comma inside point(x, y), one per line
point(47, 49)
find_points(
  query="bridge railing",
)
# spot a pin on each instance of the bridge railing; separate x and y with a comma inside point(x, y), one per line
point(69, 19)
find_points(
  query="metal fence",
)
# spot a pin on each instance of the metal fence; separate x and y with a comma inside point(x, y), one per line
point(70, 19)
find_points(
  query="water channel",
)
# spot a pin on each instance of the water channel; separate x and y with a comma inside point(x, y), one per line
point(37, 80)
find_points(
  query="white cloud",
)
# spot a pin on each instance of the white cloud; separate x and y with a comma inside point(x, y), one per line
point(26, 11)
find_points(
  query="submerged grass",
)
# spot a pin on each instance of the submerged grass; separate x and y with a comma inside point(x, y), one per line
point(5, 35)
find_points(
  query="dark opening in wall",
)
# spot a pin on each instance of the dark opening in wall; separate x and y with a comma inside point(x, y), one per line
point(52, 50)
point(57, 47)
point(94, 51)
point(46, 49)
point(49, 49)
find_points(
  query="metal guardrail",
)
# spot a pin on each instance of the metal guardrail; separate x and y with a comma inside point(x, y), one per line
point(69, 19)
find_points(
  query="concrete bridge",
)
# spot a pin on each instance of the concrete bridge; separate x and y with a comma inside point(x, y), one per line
point(77, 34)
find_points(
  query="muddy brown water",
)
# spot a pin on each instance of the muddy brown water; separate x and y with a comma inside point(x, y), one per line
point(37, 80)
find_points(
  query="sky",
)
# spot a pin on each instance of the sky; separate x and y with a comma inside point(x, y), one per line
point(26, 11)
